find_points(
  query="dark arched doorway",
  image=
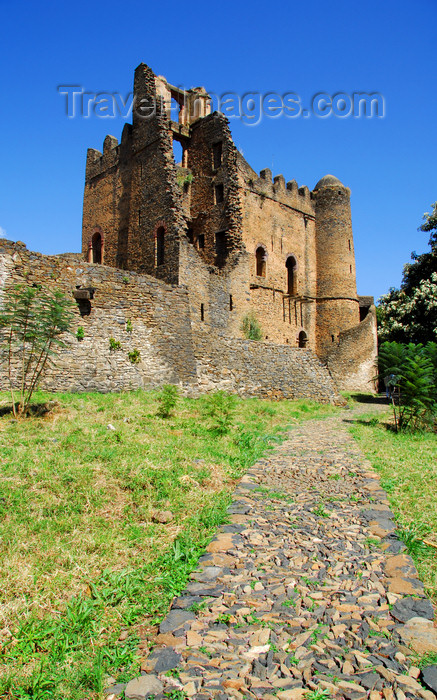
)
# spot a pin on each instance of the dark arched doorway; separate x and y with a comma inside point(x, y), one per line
point(303, 339)
point(291, 266)
point(261, 261)
point(96, 247)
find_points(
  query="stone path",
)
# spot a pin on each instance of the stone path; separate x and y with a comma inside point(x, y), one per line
point(304, 594)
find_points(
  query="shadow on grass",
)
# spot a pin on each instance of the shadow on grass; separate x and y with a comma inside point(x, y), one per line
point(380, 399)
point(36, 409)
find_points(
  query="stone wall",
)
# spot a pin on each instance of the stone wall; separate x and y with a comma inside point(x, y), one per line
point(159, 315)
point(279, 218)
point(353, 359)
point(256, 368)
point(174, 348)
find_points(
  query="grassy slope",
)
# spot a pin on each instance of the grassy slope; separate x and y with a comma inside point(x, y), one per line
point(407, 464)
point(82, 558)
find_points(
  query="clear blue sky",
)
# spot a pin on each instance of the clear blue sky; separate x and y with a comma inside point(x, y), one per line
point(303, 47)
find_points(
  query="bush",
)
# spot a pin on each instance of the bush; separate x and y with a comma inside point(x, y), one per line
point(411, 372)
point(134, 356)
point(114, 344)
point(80, 333)
point(31, 322)
point(251, 328)
point(167, 399)
point(219, 408)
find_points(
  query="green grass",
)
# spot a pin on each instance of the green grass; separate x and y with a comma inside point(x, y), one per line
point(407, 465)
point(82, 557)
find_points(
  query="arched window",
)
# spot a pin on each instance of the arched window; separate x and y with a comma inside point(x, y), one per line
point(261, 260)
point(303, 339)
point(291, 266)
point(96, 246)
point(160, 246)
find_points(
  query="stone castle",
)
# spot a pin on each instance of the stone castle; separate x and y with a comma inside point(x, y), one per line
point(186, 251)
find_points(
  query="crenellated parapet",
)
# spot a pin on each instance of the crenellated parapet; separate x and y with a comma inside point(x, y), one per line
point(276, 188)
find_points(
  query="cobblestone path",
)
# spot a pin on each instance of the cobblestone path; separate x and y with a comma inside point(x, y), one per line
point(305, 593)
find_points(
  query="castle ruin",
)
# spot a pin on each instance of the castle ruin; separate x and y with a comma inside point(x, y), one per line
point(237, 241)
point(176, 255)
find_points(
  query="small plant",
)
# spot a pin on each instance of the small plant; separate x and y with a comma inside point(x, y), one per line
point(32, 321)
point(290, 603)
point(114, 344)
point(321, 511)
point(220, 407)
point(167, 399)
point(129, 325)
point(318, 694)
point(80, 333)
point(134, 356)
point(125, 280)
point(184, 180)
point(223, 619)
point(251, 328)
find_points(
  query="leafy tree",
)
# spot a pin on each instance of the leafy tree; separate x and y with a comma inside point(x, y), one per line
point(32, 321)
point(413, 371)
point(409, 314)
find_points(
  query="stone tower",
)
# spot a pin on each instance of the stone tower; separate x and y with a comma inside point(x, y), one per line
point(337, 301)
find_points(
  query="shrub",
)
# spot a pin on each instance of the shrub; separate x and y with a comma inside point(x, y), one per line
point(129, 325)
point(167, 399)
point(251, 328)
point(219, 408)
point(114, 344)
point(134, 356)
point(31, 322)
point(80, 333)
point(411, 370)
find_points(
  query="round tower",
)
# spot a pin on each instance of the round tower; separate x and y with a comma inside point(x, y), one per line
point(337, 300)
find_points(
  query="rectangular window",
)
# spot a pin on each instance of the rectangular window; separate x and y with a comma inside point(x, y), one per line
point(217, 154)
point(201, 240)
point(219, 194)
point(220, 243)
point(202, 312)
point(139, 218)
point(231, 303)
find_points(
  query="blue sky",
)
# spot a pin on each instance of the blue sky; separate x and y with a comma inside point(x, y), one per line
point(338, 46)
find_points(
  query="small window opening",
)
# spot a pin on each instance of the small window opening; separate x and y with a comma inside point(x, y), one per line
point(220, 243)
point(349, 244)
point(190, 235)
point(201, 240)
point(160, 234)
point(139, 218)
point(291, 276)
point(219, 194)
point(261, 262)
point(178, 152)
point(175, 109)
point(202, 312)
point(350, 268)
point(217, 154)
point(303, 339)
point(84, 306)
point(332, 338)
point(231, 303)
point(96, 243)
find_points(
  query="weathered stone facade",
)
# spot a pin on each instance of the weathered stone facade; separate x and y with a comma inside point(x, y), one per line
point(175, 256)
point(238, 242)
point(153, 317)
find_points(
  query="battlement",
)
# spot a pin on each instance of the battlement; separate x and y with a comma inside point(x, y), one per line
point(99, 162)
point(276, 188)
